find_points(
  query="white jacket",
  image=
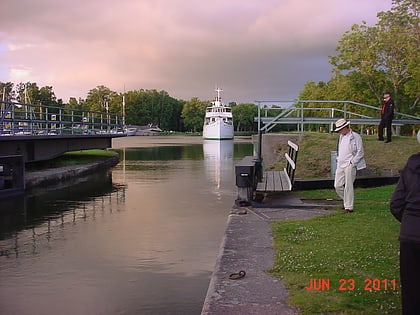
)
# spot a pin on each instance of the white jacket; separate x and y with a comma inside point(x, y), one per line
point(356, 148)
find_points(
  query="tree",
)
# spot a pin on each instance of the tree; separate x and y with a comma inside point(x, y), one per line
point(243, 116)
point(358, 52)
point(101, 99)
point(7, 92)
point(399, 43)
point(30, 93)
point(193, 114)
point(169, 117)
point(385, 56)
point(46, 96)
point(145, 107)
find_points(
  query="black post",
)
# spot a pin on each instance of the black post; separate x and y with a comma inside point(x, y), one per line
point(259, 162)
point(259, 133)
point(259, 145)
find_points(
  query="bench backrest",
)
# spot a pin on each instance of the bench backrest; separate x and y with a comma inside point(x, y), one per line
point(291, 158)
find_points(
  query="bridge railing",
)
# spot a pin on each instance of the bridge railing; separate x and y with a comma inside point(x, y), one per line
point(29, 119)
point(297, 112)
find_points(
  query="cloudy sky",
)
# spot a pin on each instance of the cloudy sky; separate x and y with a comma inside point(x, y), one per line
point(253, 49)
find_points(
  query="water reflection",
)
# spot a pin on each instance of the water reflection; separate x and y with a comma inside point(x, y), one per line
point(164, 153)
point(26, 221)
point(218, 161)
point(142, 239)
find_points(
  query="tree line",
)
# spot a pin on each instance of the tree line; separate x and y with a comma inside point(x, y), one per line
point(369, 60)
point(141, 107)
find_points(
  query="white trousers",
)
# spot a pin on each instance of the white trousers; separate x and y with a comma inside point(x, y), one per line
point(343, 184)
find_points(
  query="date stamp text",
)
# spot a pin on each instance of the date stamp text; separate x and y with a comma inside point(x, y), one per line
point(375, 284)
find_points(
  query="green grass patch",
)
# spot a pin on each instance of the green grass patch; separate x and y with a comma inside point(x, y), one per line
point(94, 153)
point(314, 157)
point(346, 252)
point(72, 158)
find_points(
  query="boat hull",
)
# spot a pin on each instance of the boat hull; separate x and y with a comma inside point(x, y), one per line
point(131, 131)
point(218, 130)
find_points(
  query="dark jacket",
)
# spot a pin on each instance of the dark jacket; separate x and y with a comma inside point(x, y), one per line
point(387, 110)
point(405, 201)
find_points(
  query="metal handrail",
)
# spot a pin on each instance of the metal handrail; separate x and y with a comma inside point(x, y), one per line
point(29, 119)
point(297, 108)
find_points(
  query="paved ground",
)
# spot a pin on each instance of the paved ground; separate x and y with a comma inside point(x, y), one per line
point(248, 245)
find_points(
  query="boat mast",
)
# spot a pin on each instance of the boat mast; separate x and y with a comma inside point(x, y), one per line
point(218, 90)
point(123, 105)
point(123, 108)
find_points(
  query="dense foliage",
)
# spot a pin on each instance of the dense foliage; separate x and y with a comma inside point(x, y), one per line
point(370, 60)
point(141, 107)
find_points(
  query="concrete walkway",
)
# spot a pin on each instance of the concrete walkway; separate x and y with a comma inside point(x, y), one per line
point(248, 245)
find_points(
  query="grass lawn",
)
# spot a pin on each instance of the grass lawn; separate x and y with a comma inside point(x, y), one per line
point(354, 256)
point(314, 158)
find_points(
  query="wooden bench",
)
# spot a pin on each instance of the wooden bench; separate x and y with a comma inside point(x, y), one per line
point(278, 181)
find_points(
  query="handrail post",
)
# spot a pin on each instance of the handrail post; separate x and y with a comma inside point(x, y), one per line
point(259, 133)
point(345, 110)
point(301, 126)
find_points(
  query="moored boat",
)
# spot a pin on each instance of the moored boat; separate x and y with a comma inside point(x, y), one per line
point(148, 130)
point(218, 121)
point(131, 131)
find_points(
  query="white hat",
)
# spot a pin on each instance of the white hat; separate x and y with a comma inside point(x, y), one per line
point(341, 123)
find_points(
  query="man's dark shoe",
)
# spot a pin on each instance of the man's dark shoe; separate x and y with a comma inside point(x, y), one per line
point(387, 141)
point(348, 211)
point(380, 139)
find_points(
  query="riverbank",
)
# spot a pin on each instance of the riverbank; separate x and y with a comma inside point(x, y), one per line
point(66, 175)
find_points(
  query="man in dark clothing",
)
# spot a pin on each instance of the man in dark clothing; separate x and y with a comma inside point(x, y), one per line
point(387, 114)
point(405, 206)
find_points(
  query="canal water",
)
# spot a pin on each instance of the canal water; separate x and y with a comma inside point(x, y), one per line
point(142, 238)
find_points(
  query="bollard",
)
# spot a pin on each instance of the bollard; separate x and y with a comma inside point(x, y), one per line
point(245, 178)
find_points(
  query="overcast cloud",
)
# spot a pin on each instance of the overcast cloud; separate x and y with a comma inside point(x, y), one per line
point(253, 49)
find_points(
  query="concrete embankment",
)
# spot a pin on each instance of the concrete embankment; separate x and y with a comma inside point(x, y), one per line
point(248, 246)
point(68, 173)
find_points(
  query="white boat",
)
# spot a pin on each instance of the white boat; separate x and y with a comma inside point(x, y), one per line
point(218, 121)
point(131, 131)
point(147, 130)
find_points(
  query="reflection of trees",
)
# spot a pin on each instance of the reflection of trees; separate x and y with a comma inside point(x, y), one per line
point(164, 153)
point(43, 210)
point(36, 234)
